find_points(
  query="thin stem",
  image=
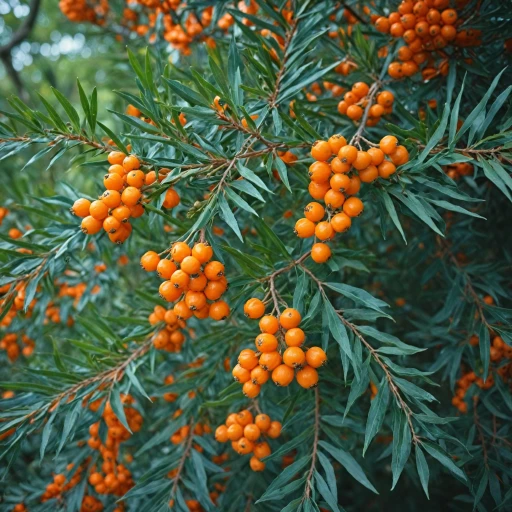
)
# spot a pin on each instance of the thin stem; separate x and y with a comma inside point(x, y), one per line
point(369, 97)
point(314, 452)
point(183, 459)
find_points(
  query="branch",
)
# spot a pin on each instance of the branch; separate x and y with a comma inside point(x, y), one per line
point(369, 97)
point(183, 459)
point(308, 489)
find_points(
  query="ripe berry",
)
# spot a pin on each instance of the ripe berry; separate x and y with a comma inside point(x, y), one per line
point(266, 342)
point(339, 183)
point(256, 464)
point(112, 198)
point(214, 270)
point(354, 112)
point(149, 261)
point(251, 390)
point(315, 357)
point(294, 357)
point(314, 212)
point(195, 300)
point(319, 172)
point(219, 310)
point(81, 207)
point(241, 374)
point(111, 224)
point(136, 211)
point(221, 434)
point(270, 360)
point(202, 252)
point(318, 190)
point(362, 161)
point(290, 318)
point(198, 282)
point(116, 157)
point(247, 359)
point(91, 226)
point(321, 151)
point(244, 446)
point(171, 199)
point(269, 324)
point(307, 377)
point(252, 432)
point(341, 222)
point(386, 169)
point(215, 289)
point(254, 308)
point(294, 337)
point(347, 154)
point(244, 417)
point(131, 196)
point(131, 163)
point(369, 174)
point(113, 181)
point(166, 268)
point(259, 375)
point(283, 375)
point(334, 199)
point(169, 292)
point(400, 156)
point(377, 155)
point(262, 421)
point(324, 230)
point(274, 431)
point(360, 89)
point(262, 450)
point(355, 186)
point(99, 210)
point(320, 252)
point(180, 279)
point(388, 144)
point(338, 167)
point(353, 207)
point(336, 142)
point(190, 265)
point(235, 432)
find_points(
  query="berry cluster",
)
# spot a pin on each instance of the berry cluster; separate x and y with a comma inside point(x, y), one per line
point(171, 337)
point(427, 27)
point(356, 100)
point(336, 181)
point(10, 344)
point(120, 202)
point(59, 484)
point(245, 433)
point(17, 304)
point(113, 478)
point(255, 367)
point(456, 171)
point(182, 434)
point(192, 279)
point(91, 11)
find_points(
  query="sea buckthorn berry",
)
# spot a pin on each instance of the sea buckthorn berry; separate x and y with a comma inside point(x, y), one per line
point(395, 70)
point(169, 292)
point(221, 434)
point(376, 111)
point(294, 337)
point(244, 446)
point(99, 210)
point(269, 324)
point(182, 310)
point(113, 181)
point(254, 308)
point(343, 107)
point(231, 420)
point(386, 169)
point(112, 198)
point(341, 222)
point(397, 30)
point(449, 16)
point(354, 112)
point(320, 252)
point(266, 342)
point(354, 187)
point(324, 230)
point(347, 154)
point(262, 421)
point(315, 357)
point(304, 228)
point(195, 300)
point(215, 289)
point(149, 261)
point(259, 375)
point(252, 432)
point(319, 172)
point(170, 317)
point(333, 199)
point(202, 252)
point(350, 98)
point(197, 282)
point(131, 163)
point(262, 450)
point(150, 178)
point(256, 464)
point(400, 156)
point(369, 174)
point(116, 157)
point(190, 265)
point(270, 360)
point(360, 89)
point(241, 374)
point(111, 224)
point(135, 179)
point(244, 417)
point(377, 155)
point(180, 279)
point(382, 24)
point(362, 161)
point(214, 270)
point(338, 167)
point(353, 207)
point(166, 268)
point(179, 251)
point(336, 142)
point(283, 375)
point(307, 377)
point(131, 196)
point(81, 207)
point(219, 310)
point(235, 432)
point(247, 359)
point(314, 212)
point(171, 199)
point(251, 390)
point(318, 190)
point(90, 225)
point(274, 431)
point(294, 357)
point(290, 318)
point(321, 151)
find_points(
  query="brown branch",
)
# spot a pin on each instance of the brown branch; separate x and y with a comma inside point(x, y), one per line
point(369, 98)
point(314, 453)
point(183, 459)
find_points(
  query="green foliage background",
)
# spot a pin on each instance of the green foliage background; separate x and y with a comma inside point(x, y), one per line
point(407, 245)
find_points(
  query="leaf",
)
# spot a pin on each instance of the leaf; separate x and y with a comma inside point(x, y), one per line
point(359, 296)
point(337, 329)
point(401, 444)
point(377, 413)
point(444, 459)
point(485, 349)
point(283, 172)
point(70, 110)
point(251, 176)
point(422, 468)
point(329, 473)
point(186, 93)
point(326, 493)
point(242, 203)
point(390, 208)
point(117, 407)
point(228, 217)
point(114, 137)
point(45, 436)
point(269, 236)
point(436, 136)
point(349, 463)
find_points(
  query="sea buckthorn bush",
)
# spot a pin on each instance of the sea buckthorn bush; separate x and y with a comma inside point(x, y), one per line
point(257, 257)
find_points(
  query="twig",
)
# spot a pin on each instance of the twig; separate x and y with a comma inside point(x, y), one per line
point(183, 459)
point(369, 98)
point(314, 453)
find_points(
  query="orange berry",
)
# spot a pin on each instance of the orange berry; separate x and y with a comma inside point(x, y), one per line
point(290, 318)
point(244, 417)
point(266, 342)
point(235, 432)
point(377, 155)
point(99, 210)
point(221, 434)
point(339, 167)
point(131, 163)
point(219, 310)
point(269, 324)
point(116, 157)
point(318, 190)
point(252, 432)
point(321, 151)
point(247, 359)
point(214, 270)
point(283, 375)
point(171, 199)
point(190, 265)
point(294, 357)
point(307, 377)
point(324, 231)
point(169, 292)
point(90, 225)
point(360, 89)
point(294, 337)
point(149, 261)
point(320, 252)
point(254, 308)
point(362, 161)
point(111, 224)
point(319, 172)
point(112, 198)
point(400, 155)
point(113, 181)
point(315, 357)
point(259, 375)
point(369, 174)
point(304, 228)
point(274, 431)
point(202, 252)
point(354, 112)
point(388, 144)
point(334, 199)
point(166, 268)
point(256, 464)
point(81, 207)
point(386, 169)
point(251, 390)
point(341, 222)
point(336, 142)
point(244, 446)
point(262, 450)
point(179, 251)
point(353, 207)
point(262, 421)
point(270, 360)
point(347, 154)
point(131, 196)
point(315, 211)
